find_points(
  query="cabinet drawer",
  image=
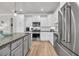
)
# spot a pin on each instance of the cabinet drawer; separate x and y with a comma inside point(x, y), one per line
point(5, 51)
point(15, 44)
point(18, 51)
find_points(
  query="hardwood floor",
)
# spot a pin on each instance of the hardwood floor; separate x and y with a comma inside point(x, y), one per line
point(42, 48)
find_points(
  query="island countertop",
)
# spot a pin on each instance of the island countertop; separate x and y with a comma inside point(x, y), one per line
point(12, 38)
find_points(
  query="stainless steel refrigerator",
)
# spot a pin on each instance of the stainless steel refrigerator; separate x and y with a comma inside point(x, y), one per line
point(68, 41)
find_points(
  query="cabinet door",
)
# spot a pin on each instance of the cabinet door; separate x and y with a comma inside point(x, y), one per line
point(51, 38)
point(15, 44)
point(45, 36)
point(5, 51)
point(28, 21)
point(20, 23)
point(26, 45)
point(44, 21)
point(30, 41)
point(17, 51)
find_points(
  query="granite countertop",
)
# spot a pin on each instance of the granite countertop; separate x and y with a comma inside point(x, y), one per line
point(11, 38)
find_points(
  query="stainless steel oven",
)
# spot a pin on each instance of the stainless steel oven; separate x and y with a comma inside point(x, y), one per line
point(36, 31)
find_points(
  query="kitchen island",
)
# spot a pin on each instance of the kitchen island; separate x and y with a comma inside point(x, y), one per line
point(17, 44)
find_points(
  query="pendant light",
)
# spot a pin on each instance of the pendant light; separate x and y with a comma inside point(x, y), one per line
point(15, 14)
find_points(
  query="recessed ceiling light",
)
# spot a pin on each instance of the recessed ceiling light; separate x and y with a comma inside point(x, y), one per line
point(42, 9)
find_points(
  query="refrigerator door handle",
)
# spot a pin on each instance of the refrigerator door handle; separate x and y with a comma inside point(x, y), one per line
point(64, 19)
point(67, 34)
point(73, 19)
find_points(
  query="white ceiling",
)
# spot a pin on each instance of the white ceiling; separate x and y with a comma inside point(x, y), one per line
point(6, 7)
point(28, 7)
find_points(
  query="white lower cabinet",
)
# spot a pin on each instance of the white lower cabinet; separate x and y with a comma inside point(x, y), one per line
point(18, 51)
point(15, 44)
point(26, 45)
point(5, 51)
point(30, 41)
point(46, 36)
point(19, 47)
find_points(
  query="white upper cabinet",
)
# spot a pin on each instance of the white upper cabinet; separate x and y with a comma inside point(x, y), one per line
point(28, 21)
point(19, 23)
point(43, 21)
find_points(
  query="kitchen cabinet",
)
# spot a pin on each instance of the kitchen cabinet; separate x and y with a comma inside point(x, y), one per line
point(19, 23)
point(46, 36)
point(26, 45)
point(28, 21)
point(51, 38)
point(18, 51)
point(5, 51)
point(30, 41)
point(17, 43)
point(18, 46)
point(44, 22)
point(21, 47)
